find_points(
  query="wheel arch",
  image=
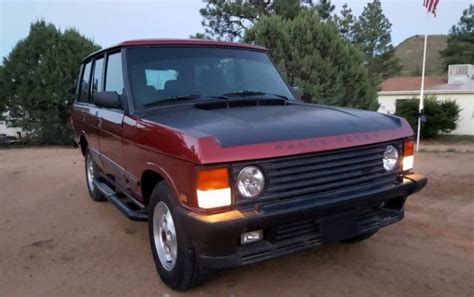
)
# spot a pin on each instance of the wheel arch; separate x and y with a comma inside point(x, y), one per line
point(83, 143)
point(152, 175)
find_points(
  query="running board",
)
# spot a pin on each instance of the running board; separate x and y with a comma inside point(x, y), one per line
point(134, 215)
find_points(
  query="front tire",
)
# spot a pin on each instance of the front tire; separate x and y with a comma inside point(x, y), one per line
point(91, 170)
point(172, 250)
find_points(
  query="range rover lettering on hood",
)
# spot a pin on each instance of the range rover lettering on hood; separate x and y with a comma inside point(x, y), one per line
point(263, 124)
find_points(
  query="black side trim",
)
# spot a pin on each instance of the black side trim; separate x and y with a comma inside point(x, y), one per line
point(111, 195)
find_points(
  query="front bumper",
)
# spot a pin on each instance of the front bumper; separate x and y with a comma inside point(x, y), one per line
point(290, 226)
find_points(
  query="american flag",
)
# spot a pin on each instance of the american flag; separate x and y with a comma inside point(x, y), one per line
point(431, 5)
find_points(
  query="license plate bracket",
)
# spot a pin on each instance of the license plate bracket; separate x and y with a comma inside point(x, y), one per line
point(334, 228)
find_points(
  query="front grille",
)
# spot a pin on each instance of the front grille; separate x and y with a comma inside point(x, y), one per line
point(300, 228)
point(339, 172)
point(369, 219)
point(303, 234)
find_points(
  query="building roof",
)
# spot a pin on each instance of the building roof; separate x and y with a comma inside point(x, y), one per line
point(433, 85)
point(411, 83)
point(180, 42)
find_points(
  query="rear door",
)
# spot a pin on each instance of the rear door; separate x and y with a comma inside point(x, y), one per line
point(110, 120)
point(84, 113)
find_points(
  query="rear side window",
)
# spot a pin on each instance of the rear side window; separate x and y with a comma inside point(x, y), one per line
point(114, 75)
point(98, 69)
point(85, 83)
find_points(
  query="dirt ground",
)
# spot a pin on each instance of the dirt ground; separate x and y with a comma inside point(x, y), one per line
point(55, 241)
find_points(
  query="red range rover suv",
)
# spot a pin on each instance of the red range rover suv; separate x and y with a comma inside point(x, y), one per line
point(208, 143)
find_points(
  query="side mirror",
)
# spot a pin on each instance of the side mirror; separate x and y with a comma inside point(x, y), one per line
point(107, 99)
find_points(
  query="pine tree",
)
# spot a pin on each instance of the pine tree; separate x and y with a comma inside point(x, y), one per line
point(2, 92)
point(372, 34)
point(313, 56)
point(345, 23)
point(325, 9)
point(460, 44)
point(39, 79)
point(229, 19)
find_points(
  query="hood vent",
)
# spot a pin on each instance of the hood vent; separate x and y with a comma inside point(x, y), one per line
point(231, 103)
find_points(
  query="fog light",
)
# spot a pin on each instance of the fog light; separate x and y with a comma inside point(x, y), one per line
point(249, 237)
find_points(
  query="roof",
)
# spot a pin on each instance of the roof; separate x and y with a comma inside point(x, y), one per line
point(412, 85)
point(179, 42)
point(189, 42)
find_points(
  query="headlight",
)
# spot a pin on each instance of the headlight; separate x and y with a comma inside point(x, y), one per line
point(250, 182)
point(390, 158)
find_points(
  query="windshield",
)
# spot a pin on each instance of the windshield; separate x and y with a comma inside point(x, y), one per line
point(163, 73)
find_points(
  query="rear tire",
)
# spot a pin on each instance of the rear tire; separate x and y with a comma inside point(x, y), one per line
point(91, 171)
point(173, 252)
point(360, 237)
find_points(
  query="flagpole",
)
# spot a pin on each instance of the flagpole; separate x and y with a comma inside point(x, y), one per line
point(420, 109)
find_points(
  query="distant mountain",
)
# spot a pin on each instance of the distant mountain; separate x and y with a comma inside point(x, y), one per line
point(410, 53)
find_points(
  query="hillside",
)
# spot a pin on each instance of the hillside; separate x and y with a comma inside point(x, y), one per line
point(410, 53)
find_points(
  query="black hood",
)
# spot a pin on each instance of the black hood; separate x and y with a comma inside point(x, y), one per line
point(245, 125)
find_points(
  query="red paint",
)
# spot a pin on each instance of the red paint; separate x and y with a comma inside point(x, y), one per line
point(127, 146)
point(211, 152)
point(178, 42)
point(189, 42)
point(173, 155)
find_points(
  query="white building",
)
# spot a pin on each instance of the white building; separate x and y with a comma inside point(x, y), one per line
point(8, 131)
point(458, 86)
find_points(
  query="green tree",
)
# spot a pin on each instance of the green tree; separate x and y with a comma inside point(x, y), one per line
point(2, 92)
point(441, 116)
point(313, 56)
point(460, 44)
point(199, 36)
point(39, 79)
point(372, 33)
point(325, 9)
point(345, 23)
point(229, 19)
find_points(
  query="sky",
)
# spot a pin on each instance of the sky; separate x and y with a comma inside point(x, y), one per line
point(110, 22)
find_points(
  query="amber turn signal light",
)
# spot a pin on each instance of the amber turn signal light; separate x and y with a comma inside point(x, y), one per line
point(409, 147)
point(213, 188)
point(213, 179)
point(408, 154)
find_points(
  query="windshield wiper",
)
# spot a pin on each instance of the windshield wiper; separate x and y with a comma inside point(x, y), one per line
point(182, 98)
point(173, 99)
point(247, 93)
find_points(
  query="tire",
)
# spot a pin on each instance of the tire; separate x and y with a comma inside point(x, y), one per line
point(178, 267)
point(91, 170)
point(360, 237)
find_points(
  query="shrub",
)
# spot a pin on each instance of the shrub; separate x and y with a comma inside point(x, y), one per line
point(441, 116)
